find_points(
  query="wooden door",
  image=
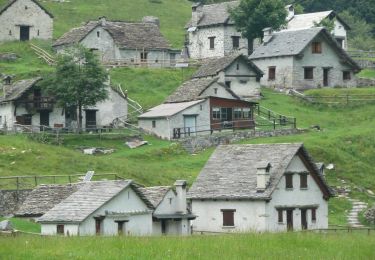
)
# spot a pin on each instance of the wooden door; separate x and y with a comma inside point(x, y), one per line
point(24, 33)
point(325, 77)
point(163, 227)
point(303, 219)
point(98, 224)
point(90, 119)
point(289, 219)
point(44, 118)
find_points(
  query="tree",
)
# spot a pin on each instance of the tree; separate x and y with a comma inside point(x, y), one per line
point(252, 16)
point(78, 81)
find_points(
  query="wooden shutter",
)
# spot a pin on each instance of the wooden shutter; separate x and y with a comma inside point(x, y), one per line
point(303, 181)
point(271, 73)
point(228, 217)
point(289, 181)
point(60, 229)
point(313, 215)
point(280, 215)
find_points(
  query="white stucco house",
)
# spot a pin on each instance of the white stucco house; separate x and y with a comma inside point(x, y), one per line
point(119, 42)
point(25, 103)
point(111, 208)
point(198, 106)
point(25, 20)
point(259, 188)
point(303, 59)
point(235, 71)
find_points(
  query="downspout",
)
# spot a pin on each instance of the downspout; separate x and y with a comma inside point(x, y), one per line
point(169, 128)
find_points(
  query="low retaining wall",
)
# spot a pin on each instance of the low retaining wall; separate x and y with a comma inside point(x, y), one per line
point(11, 200)
point(199, 143)
point(362, 82)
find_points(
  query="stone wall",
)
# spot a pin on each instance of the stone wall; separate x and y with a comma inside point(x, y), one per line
point(363, 82)
point(199, 143)
point(11, 200)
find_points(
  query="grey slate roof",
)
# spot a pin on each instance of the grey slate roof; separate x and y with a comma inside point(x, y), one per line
point(45, 197)
point(211, 67)
point(293, 42)
point(82, 203)
point(129, 35)
point(215, 14)
point(36, 2)
point(17, 89)
point(192, 90)
point(302, 21)
point(230, 173)
point(155, 194)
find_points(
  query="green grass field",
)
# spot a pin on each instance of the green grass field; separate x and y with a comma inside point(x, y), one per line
point(240, 246)
point(367, 73)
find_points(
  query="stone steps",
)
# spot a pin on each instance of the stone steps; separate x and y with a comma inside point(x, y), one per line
point(352, 217)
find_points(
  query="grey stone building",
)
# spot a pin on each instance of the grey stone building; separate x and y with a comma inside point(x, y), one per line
point(303, 59)
point(133, 43)
point(25, 20)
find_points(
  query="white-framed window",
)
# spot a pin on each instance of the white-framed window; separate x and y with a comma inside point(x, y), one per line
point(216, 113)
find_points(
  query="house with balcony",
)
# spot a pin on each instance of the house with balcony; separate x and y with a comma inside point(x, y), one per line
point(25, 103)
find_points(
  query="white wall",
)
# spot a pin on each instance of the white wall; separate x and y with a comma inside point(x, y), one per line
point(340, 32)
point(33, 16)
point(7, 115)
point(51, 229)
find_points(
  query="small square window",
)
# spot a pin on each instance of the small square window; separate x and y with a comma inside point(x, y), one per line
point(236, 42)
point(212, 42)
point(280, 215)
point(153, 124)
point(316, 47)
point(26, 7)
point(309, 73)
point(60, 229)
point(289, 181)
point(346, 75)
point(10, 32)
point(228, 217)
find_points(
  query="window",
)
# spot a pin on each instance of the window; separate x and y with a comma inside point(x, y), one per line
point(303, 181)
point(60, 229)
point(26, 7)
point(144, 56)
point(246, 112)
point(170, 200)
point(316, 47)
point(98, 225)
point(243, 81)
point(98, 34)
point(271, 73)
point(1, 120)
point(10, 32)
point(216, 113)
point(224, 113)
point(212, 42)
point(236, 42)
point(280, 215)
point(228, 217)
point(346, 75)
point(238, 66)
point(227, 83)
point(313, 215)
point(153, 123)
point(38, 32)
point(201, 107)
point(309, 73)
point(215, 90)
point(237, 113)
point(156, 61)
point(340, 42)
point(289, 181)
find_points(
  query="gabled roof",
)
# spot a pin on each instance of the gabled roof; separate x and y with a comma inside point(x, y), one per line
point(309, 20)
point(230, 173)
point(17, 89)
point(294, 42)
point(211, 67)
point(193, 89)
point(86, 200)
point(155, 194)
point(168, 109)
point(130, 35)
point(215, 14)
point(34, 1)
point(45, 197)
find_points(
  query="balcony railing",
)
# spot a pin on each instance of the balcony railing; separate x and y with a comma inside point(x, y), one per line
point(39, 103)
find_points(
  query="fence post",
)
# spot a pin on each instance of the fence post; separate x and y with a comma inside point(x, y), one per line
point(274, 124)
point(295, 123)
point(36, 180)
point(70, 179)
point(269, 114)
point(347, 99)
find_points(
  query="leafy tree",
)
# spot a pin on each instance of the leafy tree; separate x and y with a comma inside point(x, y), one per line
point(329, 24)
point(252, 16)
point(78, 81)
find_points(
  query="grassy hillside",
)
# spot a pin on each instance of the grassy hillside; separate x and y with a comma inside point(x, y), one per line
point(245, 246)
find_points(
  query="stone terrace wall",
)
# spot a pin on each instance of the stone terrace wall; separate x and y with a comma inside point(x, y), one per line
point(363, 82)
point(11, 200)
point(199, 143)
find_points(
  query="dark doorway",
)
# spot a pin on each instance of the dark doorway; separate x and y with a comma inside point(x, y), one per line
point(98, 226)
point(289, 219)
point(163, 227)
point(303, 219)
point(90, 119)
point(44, 119)
point(325, 77)
point(24, 33)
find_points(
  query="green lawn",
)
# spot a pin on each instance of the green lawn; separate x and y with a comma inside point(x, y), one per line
point(240, 246)
point(24, 225)
point(367, 73)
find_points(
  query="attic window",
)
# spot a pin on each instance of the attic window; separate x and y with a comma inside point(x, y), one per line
point(238, 66)
point(215, 90)
point(313, 215)
point(98, 34)
point(316, 47)
point(26, 7)
point(212, 42)
point(303, 181)
point(10, 32)
point(289, 181)
point(236, 42)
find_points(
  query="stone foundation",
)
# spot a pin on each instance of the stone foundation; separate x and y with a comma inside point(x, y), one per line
point(11, 200)
point(362, 82)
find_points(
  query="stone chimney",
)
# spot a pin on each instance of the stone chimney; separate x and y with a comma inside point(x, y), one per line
point(151, 19)
point(196, 13)
point(263, 176)
point(290, 10)
point(103, 20)
point(181, 196)
point(267, 34)
point(7, 84)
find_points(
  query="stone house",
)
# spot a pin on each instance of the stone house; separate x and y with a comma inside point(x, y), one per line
point(25, 103)
point(120, 208)
point(25, 20)
point(132, 43)
point(236, 71)
point(259, 188)
point(304, 59)
point(198, 106)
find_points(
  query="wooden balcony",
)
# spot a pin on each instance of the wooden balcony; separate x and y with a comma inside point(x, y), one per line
point(39, 104)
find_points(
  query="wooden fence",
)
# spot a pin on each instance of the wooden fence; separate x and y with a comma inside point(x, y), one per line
point(338, 99)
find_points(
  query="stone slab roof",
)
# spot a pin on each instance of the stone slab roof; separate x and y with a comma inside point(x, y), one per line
point(128, 35)
point(303, 21)
point(230, 173)
point(87, 199)
point(168, 109)
point(155, 194)
point(215, 14)
point(36, 2)
point(45, 197)
point(294, 42)
point(211, 67)
point(17, 89)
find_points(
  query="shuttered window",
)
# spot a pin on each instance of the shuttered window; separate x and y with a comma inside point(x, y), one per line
point(289, 181)
point(228, 217)
point(316, 47)
point(236, 42)
point(280, 215)
point(303, 181)
point(271, 73)
point(313, 215)
point(60, 229)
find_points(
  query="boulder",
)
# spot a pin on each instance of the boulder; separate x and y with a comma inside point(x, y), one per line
point(8, 57)
point(6, 225)
point(370, 215)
